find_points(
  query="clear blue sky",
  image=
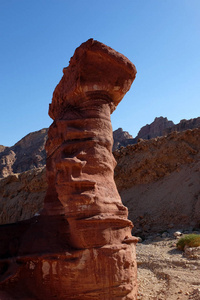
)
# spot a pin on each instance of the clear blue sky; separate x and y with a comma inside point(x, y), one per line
point(37, 39)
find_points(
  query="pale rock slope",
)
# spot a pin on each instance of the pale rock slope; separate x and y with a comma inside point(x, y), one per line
point(159, 181)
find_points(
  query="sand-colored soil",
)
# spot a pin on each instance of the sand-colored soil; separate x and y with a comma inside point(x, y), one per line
point(164, 273)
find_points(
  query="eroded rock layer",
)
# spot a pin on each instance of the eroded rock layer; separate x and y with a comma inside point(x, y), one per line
point(81, 246)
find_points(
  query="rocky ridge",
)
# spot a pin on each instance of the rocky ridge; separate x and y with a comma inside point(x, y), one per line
point(122, 139)
point(28, 153)
point(155, 129)
point(183, 125)
point(22, 195)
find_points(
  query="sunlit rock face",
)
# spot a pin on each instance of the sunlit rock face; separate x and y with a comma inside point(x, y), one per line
point(81, 246)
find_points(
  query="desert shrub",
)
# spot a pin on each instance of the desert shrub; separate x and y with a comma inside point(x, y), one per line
point(191, 240)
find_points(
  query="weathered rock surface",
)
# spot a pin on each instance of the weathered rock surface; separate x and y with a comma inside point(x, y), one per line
point(22, 195)
point(81, 246)
point(159, 181)
point(155, 129)
point(2, 148)
point(184, 125)
point(27, 154)
point(122, 139)
point(159, 127)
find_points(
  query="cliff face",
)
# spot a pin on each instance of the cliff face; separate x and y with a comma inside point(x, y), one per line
point(156, 128)
point(27, 154)
point(159, 127)
point(184, 125)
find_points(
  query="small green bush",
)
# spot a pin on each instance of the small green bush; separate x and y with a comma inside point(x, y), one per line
point(191, 240)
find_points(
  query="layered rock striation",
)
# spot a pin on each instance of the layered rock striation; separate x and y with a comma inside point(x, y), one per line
point(81, 246)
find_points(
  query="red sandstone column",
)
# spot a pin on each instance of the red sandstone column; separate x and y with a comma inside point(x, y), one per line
point(80, 247)
point(80, 163)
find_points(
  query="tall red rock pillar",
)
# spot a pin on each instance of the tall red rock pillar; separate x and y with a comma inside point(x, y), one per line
point(80, 168)
point(80, 247)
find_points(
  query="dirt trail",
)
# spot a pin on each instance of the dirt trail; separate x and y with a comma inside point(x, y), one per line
point(164, 273)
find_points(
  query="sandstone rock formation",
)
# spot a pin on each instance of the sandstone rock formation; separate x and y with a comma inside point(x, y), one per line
point(81, 246)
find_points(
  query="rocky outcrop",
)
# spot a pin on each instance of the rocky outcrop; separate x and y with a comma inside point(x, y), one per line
point(158, 181)
point(2, 148)
point(27, 154)
point(22, 195)
point(155, 129)
point(81, 246)
point(122, 139)
point(184, 125)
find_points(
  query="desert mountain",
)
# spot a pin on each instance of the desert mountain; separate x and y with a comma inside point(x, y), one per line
point(159, 127)
point(183, 125)
point(28, 153)
point(156, 128)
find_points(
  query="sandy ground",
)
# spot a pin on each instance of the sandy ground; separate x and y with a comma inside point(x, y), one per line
point(164, 272)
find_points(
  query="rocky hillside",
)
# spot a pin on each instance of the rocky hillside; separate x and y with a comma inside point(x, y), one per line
point(28, 153)
point(183, 125)
point(158, 180)
point(22, 195)
point(156, 128)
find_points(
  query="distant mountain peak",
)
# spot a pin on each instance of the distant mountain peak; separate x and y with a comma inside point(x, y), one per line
point(156, 128)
